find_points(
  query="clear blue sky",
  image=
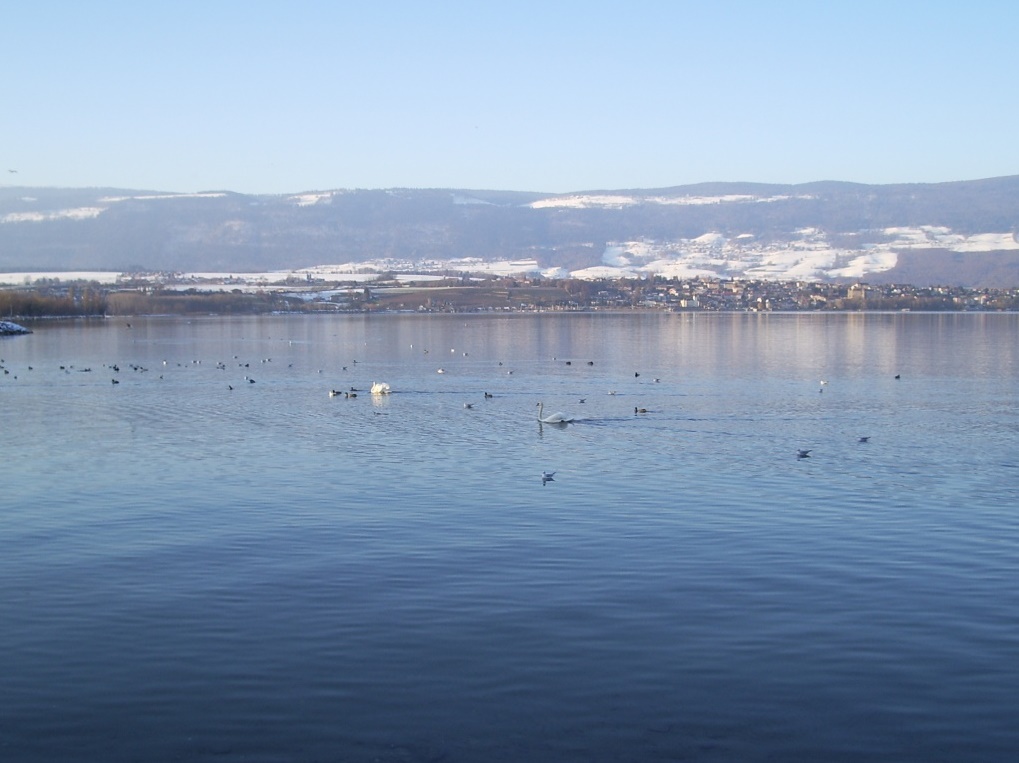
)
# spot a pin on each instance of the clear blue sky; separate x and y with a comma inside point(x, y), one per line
point(280, 97)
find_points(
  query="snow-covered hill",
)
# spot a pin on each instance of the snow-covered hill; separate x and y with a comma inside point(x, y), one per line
point(812, 232)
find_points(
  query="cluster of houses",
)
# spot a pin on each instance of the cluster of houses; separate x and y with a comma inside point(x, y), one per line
point(761, 295)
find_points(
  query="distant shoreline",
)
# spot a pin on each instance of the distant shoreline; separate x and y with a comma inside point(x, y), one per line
point(483, 314)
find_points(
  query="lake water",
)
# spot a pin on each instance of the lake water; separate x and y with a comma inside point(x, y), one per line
point(195, 566)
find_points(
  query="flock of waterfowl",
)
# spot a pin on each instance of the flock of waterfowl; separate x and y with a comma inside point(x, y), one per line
point(381, 388)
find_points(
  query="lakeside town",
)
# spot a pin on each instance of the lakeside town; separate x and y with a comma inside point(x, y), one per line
point(180, 294)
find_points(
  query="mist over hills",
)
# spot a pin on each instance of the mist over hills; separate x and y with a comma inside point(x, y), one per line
point(958, 233)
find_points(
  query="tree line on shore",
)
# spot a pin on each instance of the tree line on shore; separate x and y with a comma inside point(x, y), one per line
point(92, 302)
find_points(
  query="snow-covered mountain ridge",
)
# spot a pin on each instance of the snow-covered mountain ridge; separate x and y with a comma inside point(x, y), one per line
point(954, 233)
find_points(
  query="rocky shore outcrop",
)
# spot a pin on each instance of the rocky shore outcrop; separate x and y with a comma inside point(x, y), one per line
point(7, 328)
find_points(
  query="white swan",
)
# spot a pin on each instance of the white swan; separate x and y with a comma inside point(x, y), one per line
point(552, 418)
point(380, 388)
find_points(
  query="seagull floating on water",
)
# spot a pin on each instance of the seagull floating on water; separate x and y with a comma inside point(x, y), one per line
point(864, 439)
point(547, 477)
point(803, 454)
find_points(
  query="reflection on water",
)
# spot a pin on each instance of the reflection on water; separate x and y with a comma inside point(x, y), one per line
point(213, 557)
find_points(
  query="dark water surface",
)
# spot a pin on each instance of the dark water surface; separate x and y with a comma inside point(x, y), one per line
point(268, 573)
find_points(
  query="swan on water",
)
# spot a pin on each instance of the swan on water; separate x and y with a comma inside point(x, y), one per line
point(553, 418)
point(380, 388)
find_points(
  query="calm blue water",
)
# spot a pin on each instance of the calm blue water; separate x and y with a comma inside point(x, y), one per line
point(267, 573)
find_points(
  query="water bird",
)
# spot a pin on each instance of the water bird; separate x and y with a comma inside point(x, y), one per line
point(583, 400)
point(547, 477)
point(114, 381)
point(468, 405)
point(553, 418)
point(349, 394)
point(864, 439)
point(380, 388)
point(897, 376)
point(488, 395)
point(590, 362)
point(334, 393)
point(635, 374)
point(803, 453)
point(441, 371)
point(640, 410)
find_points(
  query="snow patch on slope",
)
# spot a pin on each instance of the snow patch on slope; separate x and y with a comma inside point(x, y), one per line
point(78, 213)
